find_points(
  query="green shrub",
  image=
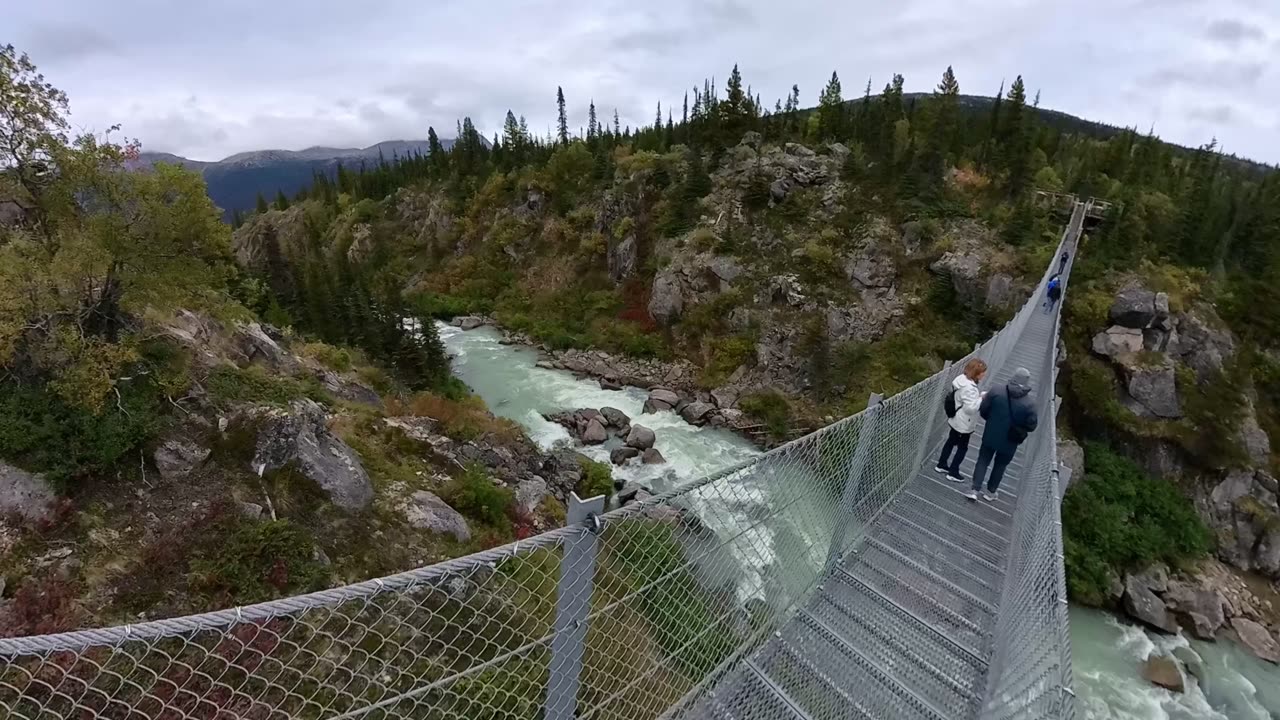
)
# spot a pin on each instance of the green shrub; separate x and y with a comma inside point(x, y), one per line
point(1118, 520)
point(257, 561)
point(332, 357)
point(230, 384)
point(728, 355)
point(475, 495)
point(41, 432)
point(1213, 411)
point(597, 479)
point(770, 408)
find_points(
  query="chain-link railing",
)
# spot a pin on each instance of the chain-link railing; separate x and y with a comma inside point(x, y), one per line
point(636, 613)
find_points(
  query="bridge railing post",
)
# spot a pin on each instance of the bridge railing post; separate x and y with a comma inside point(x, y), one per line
point(852, 485)
point(573, 601)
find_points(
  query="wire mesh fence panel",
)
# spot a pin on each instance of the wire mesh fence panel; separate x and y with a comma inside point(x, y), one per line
point(710, 600)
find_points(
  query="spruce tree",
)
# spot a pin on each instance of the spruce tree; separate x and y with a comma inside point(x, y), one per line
point(262, 204)
point(435, 151)
point(282, 203)
point(617, 126)
point(562, 118)
point(831, 109)
point(593, 129)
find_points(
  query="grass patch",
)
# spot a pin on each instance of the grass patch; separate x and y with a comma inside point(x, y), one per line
point(465, 419)
point(228, 384)
point(475, 495)
point(597, 479)
point(257, 561)
point(770, 408)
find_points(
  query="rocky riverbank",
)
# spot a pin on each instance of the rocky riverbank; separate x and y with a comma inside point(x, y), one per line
point(1213, 602)
point(672, 386)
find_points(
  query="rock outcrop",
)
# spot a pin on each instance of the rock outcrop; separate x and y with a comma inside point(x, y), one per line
point(1137, 307)
point(177, 457)
point(1071, 455)
point(666, 300)
point(27, 495)
point(1153, 387)
point(299, 436)
point(1117, 341)
point(426, 511)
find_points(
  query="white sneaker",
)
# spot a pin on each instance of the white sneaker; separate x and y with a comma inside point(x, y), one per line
point(955, 478)
point(939, 469)
point(972, 495)
point(989, 497)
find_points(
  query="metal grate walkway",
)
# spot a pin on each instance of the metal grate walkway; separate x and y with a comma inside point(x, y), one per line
point(903, 626)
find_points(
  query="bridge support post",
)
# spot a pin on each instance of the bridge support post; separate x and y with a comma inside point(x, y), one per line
point(573, 601)
point(852, 486)
point(926, 437)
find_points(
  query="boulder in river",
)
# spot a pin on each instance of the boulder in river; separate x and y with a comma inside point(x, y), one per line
point(615, 418)
point(620, 455)
point(696, 412)
point(1257, 639)
point(1191, 660)
point(595, 432)
point(1142, 602)
point(468, 322)
point(661, 399)
point(640, 437)
point(1163, 672)
point(652, 457)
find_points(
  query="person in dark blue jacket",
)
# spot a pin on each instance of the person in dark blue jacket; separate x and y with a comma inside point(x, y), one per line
point(1011, 415)
point(1053, 293)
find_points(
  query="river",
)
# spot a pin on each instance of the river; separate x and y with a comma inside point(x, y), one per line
point(1106, 653)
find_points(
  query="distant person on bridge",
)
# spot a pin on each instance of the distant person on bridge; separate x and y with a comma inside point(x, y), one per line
point(1011, 416)
point(962, 415)
point(1054, 292)
point(1062, 261)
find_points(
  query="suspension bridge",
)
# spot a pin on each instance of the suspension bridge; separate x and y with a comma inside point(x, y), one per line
point(834, 577)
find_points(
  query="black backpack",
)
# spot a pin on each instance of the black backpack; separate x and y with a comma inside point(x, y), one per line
point(949, 404)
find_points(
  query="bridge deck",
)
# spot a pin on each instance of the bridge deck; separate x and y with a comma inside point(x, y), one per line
point(902, 628)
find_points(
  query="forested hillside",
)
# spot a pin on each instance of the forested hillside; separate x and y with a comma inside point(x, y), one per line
point(780, 262)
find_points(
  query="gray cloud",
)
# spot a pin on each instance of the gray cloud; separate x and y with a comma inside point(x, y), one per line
point(1233, 32)
point(198, 79)
point(1214, 115)
point(59, 44)
point(1227, 74)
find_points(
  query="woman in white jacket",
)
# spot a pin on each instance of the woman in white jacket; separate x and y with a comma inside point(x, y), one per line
point(967, 400)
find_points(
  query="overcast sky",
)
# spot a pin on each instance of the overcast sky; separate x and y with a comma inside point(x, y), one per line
point(208, 79)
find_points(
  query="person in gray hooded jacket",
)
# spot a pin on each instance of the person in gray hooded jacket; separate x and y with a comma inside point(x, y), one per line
point(1011, 416)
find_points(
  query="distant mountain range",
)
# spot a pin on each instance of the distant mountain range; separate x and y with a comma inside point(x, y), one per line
point(235, 182)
